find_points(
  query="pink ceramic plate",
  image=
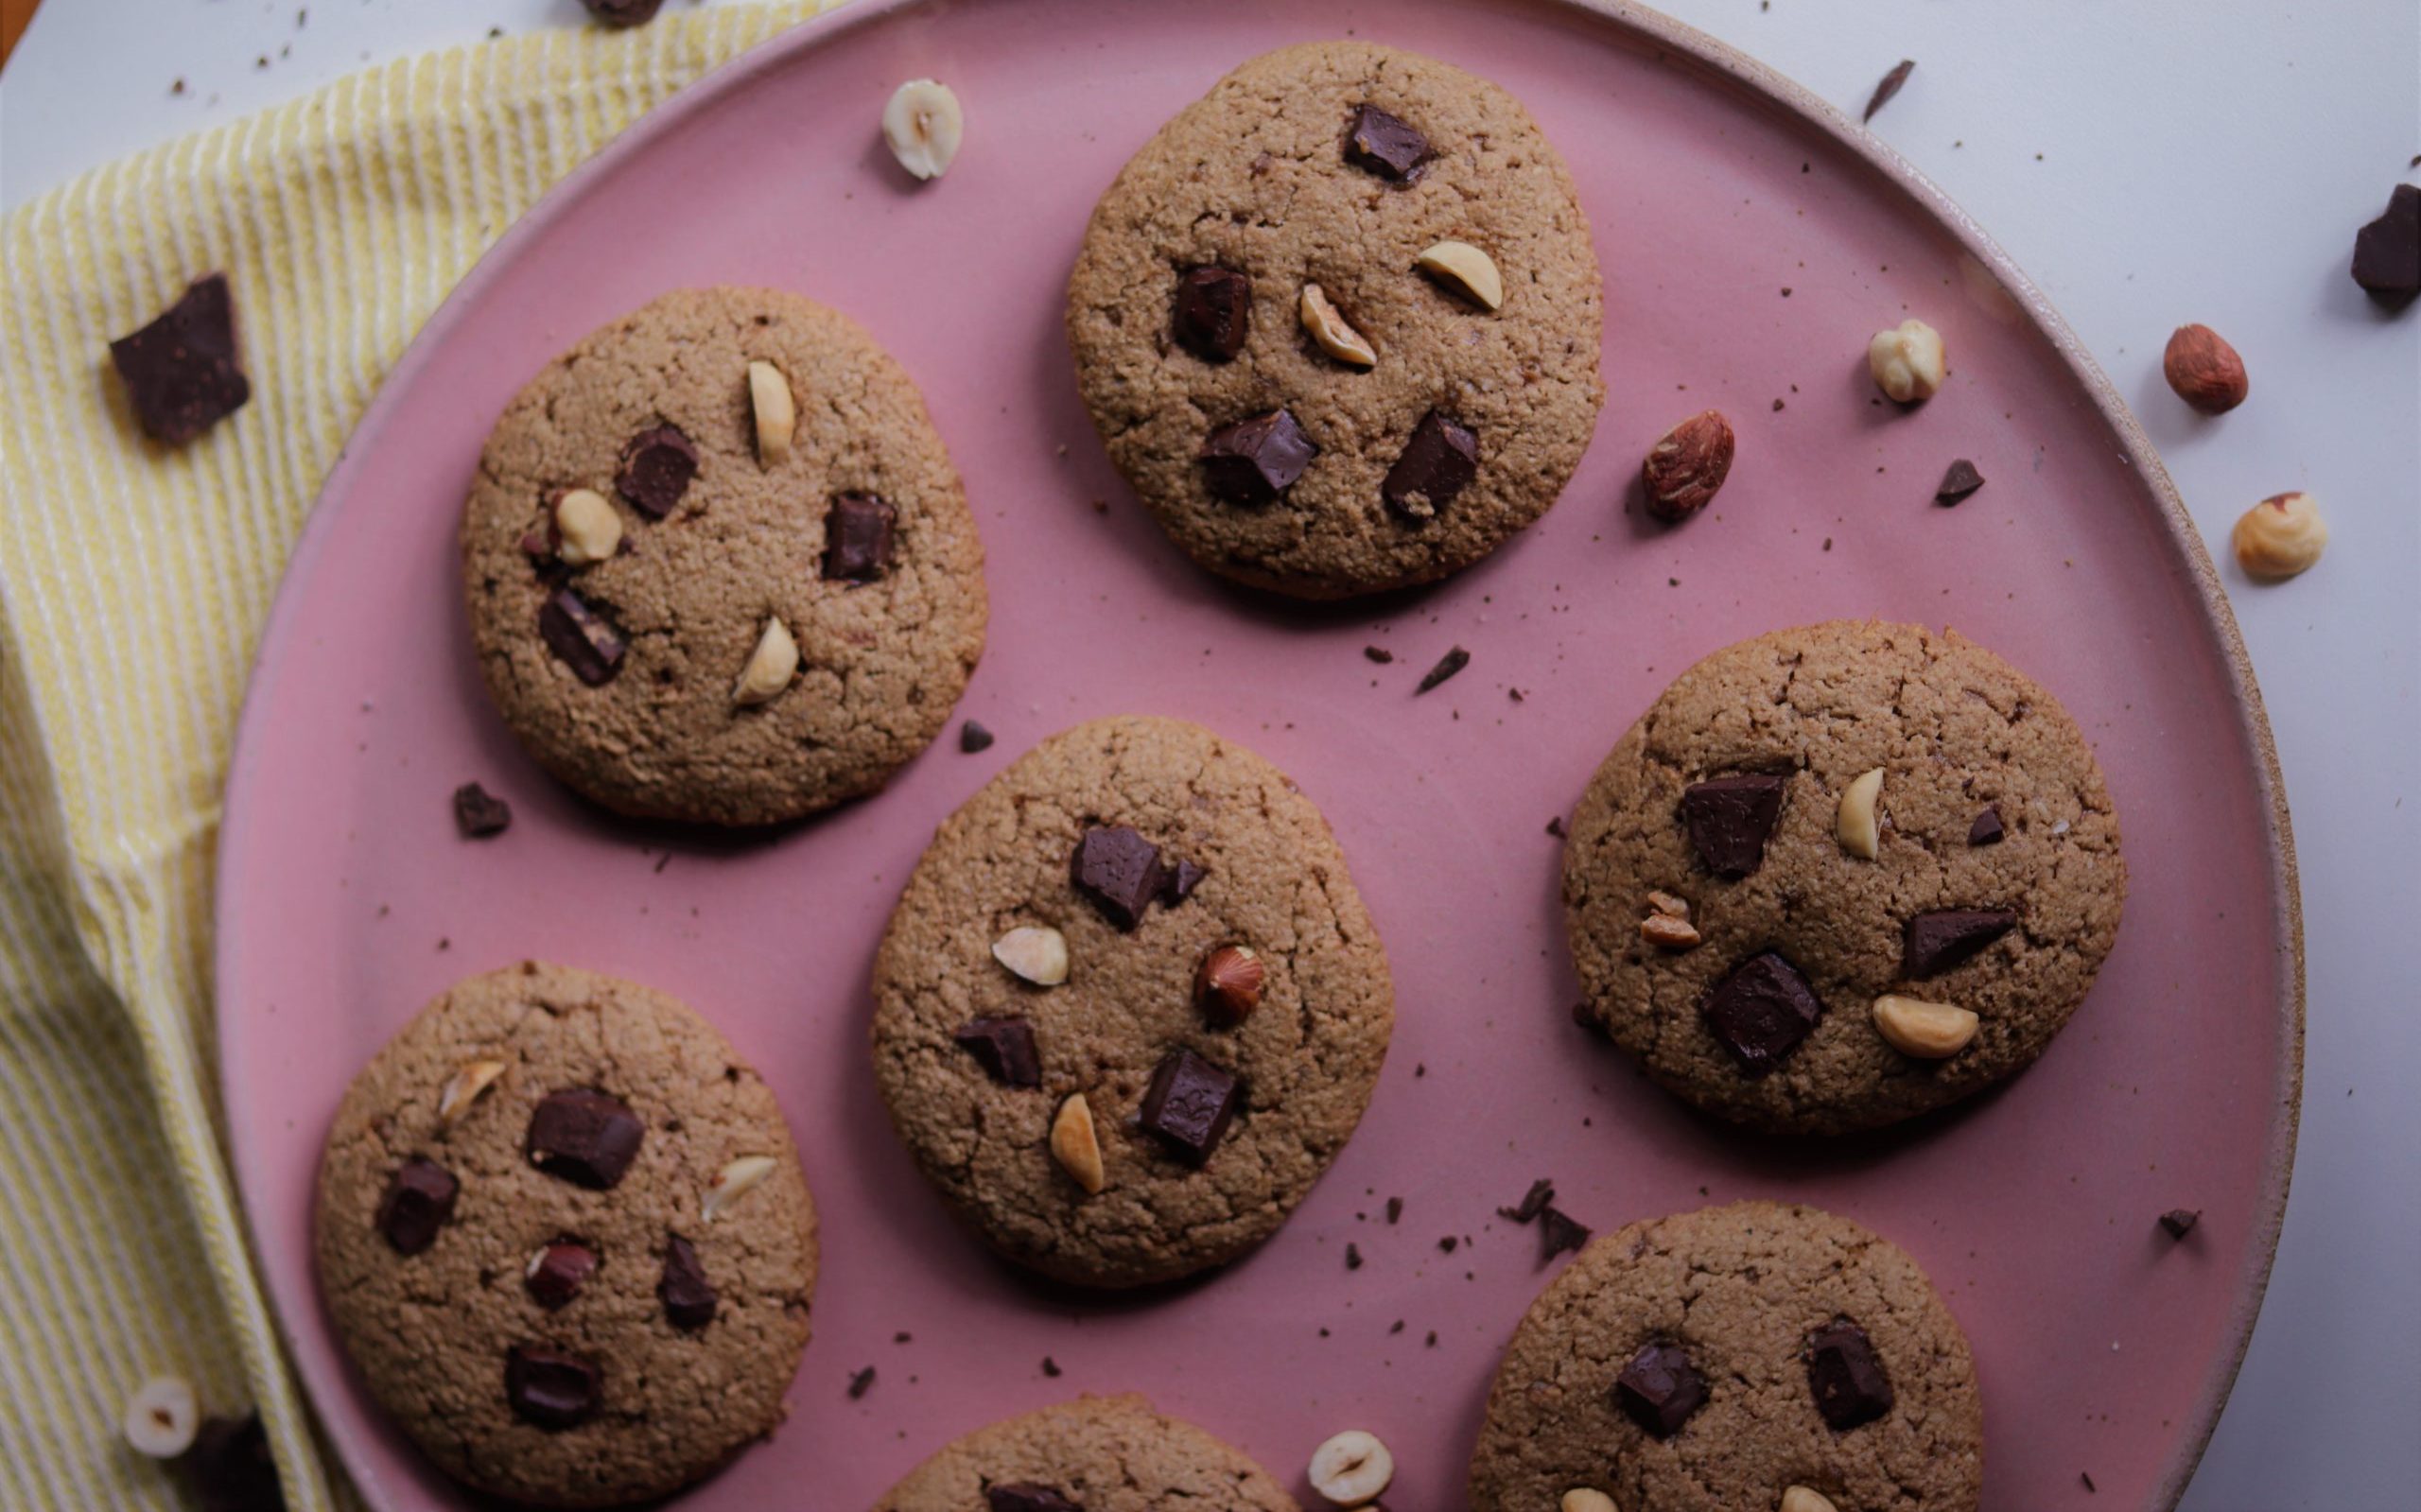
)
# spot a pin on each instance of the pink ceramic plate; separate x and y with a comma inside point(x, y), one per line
point(1752, 239)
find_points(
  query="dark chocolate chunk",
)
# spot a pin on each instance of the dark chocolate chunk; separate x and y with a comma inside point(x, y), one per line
point(1448, 664)
point(557, 1271)
point(687, 1296)
point(973, 737)
point(1987, 830)
point(1213, 312)
point(1533, 1202)
point(1004, 1047)
point(1118, 871)
point(1386, 145)
point(1935, 942)
point(1761, 1012)
point(1660, 1389)
point(551, 1388)
point(1379, 653)
point(860, 1382)
point(418, 1202)
point(858, 531)
point(1558, 1232)
point(1889, 87)
point(657, 465)
point(2387, 252)
point(584, 1136)
point(1438, 462)
point(1024, 1496)
point(623, 12)
point(1846, 1375)
point(2180, 1222)
point(1177, 883)
point(229, 1467)
point(181, 372)
point(1730, 818)
point(581, 636)
point(1254, 460)
point(1190, 1105)
point(479, 813)
point(1960, 481)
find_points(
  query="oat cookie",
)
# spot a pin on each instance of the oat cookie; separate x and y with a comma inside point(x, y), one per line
point(564, 1236)
point(1841, 875)
point(718, 567)
point(1711, 1361)
point(1339, 322)
point(1093, 1454)
point(1129, 1005)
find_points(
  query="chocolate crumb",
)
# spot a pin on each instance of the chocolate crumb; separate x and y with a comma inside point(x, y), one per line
point(1558, 1232)
point(1353, 1256)
point(1395, 1208)
point(1379, 653)
point(861, 1384)
point(901, 1337)
point(2180, 1222)
point(1555, 828)
point(1889, 87)
point(1533, 1202)
point(2086, 1476)
point(1397, 1328)
point(1958, 483)
point(1446, 1246)
point(1448, 664)
point(1051, 1367)
point(1431, 1342)
point(479, 813)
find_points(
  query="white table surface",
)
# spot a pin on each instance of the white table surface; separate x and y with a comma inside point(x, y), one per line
point(2148, 163)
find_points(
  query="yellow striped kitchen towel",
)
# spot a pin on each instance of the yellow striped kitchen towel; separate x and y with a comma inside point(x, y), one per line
point(134, 582)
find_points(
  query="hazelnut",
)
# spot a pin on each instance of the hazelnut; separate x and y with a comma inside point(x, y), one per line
point(1034, 953)
point(776, 412)
point(1465, 269)
point(1906, 361)
point(1335, 337)
point(1686, 465)
point(2205, 370)
point(1667, 903)
point(2280, 536)
point(464, 1088)
point(1584, 1499)
point(770, 667)
point(1926, 1030)
point(737, 1179)
point(1074, 1145)
point(1855, 824)
point(1667, 933)
point(1803, 1498)
point(1352, 1469)
point(587, 529)
point(162, 1417)
point(922, 123)
point(1227, 986)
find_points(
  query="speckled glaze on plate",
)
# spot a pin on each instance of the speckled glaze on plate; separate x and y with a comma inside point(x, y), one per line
point(1714, 187)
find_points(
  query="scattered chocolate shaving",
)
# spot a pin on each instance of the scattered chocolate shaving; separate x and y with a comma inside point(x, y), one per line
point(1889, 87)
point(861, 1382)
point(1379, 653)
point(182, 372)
point(2180, 1222)
point(1957, 484)
point(479, 813)
point(1533, 1202)
point(973, 737)
point(1558, 1232)
point(1448, 664)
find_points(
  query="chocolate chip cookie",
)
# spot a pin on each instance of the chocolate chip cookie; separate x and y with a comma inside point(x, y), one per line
point(1337, 323)
point(1712, 1361)
point(718, 567)
point(563, 1233)
point(1129, 1005)
point(1093, 1454)
point(1837, 876)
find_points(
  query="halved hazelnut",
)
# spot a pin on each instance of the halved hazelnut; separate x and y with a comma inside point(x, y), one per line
point(587, 529)
point(1034, 953)
point(1465, 269)
point(771, 666)
point(1584, 1499)
point(1805, 1499)
point(1074, 1145)
point(1663, 902)
point(162, 1417)
point(922, 123)
point(1329, 328)
point(1667, 933)
point(769, 398)
point(464, 1088)
point(2280, 536)
point(1927, 1031)
point(1227, 984)
point(1352, 1469)
point(1855, 824)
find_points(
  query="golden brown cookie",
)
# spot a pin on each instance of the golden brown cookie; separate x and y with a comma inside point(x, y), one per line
point(563, 1233)
point(1709, 1361)
point(1093, 1454)
point(1406, 209)
point(1839, 874)
point(1129, 1006)
point(686, 606)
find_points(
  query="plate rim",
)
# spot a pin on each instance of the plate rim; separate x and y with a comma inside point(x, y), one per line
point(1672, 43)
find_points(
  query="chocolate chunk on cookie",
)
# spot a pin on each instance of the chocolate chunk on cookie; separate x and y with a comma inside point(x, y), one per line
point(1119, 1123)
point(1093, 1454)
point(1810, 821)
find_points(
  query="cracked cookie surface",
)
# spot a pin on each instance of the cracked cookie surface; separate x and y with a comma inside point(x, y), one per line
point(1102, 1454)
point(1740, 1290)
point(1254, 178)
point(883, 657)
point(430, 1331)
point(1306, 1057)
point(1958, 734)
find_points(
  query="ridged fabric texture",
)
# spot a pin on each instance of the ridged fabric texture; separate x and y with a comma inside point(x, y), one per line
point(133, 583)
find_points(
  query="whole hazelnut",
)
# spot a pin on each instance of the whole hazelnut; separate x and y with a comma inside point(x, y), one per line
point(2280, 536)
point(1687, 465)
point(1907, 362)
point(1227, 986)
point(2205, 370)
